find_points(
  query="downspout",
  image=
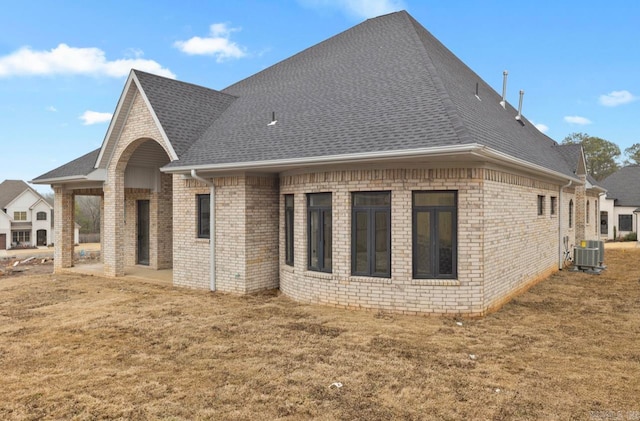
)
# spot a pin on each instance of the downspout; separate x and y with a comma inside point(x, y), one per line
point(212, 228)
point(560, 242)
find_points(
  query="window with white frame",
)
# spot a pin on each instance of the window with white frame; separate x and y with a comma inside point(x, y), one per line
point(20, 216)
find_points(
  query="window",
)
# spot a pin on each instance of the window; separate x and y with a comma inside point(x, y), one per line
point(371, 234)
point(435, 237)
point(20, 237)
point(571, 213)
point(553, 205)
point(319, 231)
point(288, 229)
point(588, 211)
point(540, 205)
point(20, 216)
point(41, 216)
point(625, 223)
point(204, 215)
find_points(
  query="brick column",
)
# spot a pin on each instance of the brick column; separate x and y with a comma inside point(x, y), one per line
point(63, 225)
point(102, 228)
point(113, 234)
point(580, 209)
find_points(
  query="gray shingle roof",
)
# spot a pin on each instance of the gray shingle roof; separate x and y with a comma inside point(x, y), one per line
point(624, 186)
point(384, 85)
point(10, 189)
point(78, 167)
point(183, 109)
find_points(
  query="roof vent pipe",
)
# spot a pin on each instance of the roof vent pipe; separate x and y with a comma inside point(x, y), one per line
point(504, 89)
point(519, 116)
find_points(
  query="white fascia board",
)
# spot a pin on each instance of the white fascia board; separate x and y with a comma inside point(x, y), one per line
point(282, 164)
point(172, 152)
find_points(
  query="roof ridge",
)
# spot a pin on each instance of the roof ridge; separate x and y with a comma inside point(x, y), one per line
point(450, 108)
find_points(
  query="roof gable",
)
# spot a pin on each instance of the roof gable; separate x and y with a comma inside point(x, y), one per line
point(79, 168)
point(10, 190)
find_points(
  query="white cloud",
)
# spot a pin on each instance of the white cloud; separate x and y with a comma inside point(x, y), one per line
point(615, 98)
point(574, 119)
point(362, 9)
point(52, 109)
point(66, 60)
point(94, 117)
point(542, 127)
point(218, 44)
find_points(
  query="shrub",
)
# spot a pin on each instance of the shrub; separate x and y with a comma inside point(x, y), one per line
point(632, 236)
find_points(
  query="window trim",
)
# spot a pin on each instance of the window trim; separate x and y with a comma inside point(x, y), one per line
point(371, 211)
point(203, 230)
point(322, 211)
point(289, 219)
point(433, 222)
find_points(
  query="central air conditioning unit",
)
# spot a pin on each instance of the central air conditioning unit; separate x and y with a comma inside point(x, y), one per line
point(586, 257)
point(592, 244)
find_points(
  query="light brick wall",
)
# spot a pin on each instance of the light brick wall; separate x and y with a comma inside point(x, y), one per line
point(63, 227)
point(400, 293)
point(520, 246)
point(503, 245)
point(246, 234)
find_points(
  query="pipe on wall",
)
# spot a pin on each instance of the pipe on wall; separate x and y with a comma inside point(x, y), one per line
point(560, 242)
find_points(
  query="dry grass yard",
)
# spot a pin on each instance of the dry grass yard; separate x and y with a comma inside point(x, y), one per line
point(81, 347)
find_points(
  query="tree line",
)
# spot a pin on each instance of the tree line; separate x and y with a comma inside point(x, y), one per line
point(602, 155)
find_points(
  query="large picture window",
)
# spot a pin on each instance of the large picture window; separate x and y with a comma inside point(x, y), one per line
point(435, 236)
point(319, 232)
point(371, 234)
point(21, 237)
point(625, 222)
point(204, 215)
point(288, 229)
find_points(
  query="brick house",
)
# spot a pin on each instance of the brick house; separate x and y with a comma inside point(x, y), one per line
point(25, 216)
point(372, 170)
point(621, 206)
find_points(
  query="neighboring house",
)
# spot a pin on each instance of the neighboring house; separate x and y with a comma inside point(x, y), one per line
point(373, 170)
point(25, 216)
point(622, 205)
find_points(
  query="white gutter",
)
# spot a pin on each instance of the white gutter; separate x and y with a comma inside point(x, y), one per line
point(212, 228)
point(330, 159)
point(560, 242)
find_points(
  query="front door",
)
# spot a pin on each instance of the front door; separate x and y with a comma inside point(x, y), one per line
point(3, 241)
point(604, 223)
point(41, 238)
point(143, 232)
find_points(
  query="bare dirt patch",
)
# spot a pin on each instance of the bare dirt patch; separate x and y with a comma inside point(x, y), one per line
point(82, 347)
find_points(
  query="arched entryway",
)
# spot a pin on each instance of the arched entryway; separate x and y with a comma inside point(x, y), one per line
point(138, 209)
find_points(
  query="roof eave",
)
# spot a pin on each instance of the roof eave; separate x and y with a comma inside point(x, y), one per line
point(99, 174)
point(365, 157)
point(475, 149)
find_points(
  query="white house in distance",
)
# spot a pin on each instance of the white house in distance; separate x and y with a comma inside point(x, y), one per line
point(622, 205)
point(25, 216)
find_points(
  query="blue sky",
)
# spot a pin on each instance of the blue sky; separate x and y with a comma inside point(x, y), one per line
point(63, 64)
